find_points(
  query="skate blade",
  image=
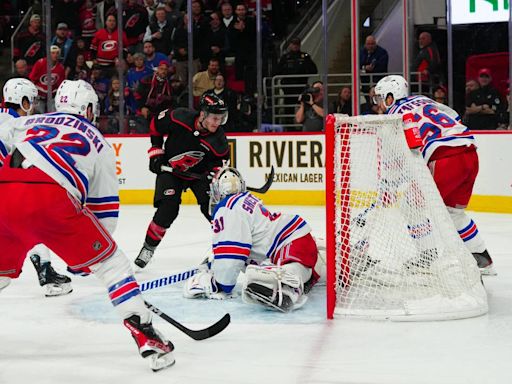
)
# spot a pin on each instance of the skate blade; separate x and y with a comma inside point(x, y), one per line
point(53, 290)
point(488, 271)
point(159, 361)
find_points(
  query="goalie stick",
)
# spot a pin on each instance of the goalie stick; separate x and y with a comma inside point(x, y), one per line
point(262, 189)
point(199, 334)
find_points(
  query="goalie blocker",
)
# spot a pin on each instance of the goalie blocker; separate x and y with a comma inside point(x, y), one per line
point(276, 249)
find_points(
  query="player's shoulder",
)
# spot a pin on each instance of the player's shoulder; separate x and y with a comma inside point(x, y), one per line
point(183, 116)
point(237, 201)
point(217, 143)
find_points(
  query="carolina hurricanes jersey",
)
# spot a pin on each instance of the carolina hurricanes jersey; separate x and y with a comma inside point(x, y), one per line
point(6, 117)
point(185, 148)
point(245, 232)
point(39, 76)
point(75, 154)
point(104, 44)
point(439, 124)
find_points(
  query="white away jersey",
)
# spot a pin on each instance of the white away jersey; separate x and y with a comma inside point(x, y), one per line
point(75, 154)
point(245, 232)
point(439, 124)
point(7, 115)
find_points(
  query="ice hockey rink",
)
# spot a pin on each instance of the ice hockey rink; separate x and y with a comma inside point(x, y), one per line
point(78, 338)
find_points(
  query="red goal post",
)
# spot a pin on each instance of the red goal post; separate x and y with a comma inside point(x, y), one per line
point(392, 249)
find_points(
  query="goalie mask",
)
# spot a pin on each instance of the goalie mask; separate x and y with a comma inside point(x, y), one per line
point(227, 181)
point(393, 85)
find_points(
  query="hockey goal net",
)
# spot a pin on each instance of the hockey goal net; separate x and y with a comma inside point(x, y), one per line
point(392, 249)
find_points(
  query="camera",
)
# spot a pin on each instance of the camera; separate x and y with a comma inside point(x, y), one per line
point(307, 95)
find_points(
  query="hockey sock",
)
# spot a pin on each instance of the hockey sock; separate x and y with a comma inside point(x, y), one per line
point(468, 231)
point(117, 275)
point(154, 234)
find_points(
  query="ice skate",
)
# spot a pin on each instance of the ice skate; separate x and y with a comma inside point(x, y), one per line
point(422, 263)
point(484, 261)
point(151, 344)
point(145, 255)
point(54, 283)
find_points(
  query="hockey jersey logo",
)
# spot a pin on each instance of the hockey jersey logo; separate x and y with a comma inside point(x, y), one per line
point(132, 21)
point(185, 161)
point(108, 45)
point(33, 49)
point(44, 79)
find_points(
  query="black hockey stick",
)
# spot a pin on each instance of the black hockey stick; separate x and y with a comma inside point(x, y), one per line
point(200, 334)
point(197, 176)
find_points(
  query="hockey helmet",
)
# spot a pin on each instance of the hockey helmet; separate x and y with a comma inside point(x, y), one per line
point(210, 103)
point(394, 85)
point(18, 88)
point(227, 181)
point(75, 97)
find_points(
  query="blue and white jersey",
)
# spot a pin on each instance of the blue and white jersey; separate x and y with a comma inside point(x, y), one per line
point(75, 154)
point(7, 115)
point(245, 232)
point(439, 124)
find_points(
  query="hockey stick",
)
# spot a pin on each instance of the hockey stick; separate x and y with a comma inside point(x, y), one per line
point(200, 334)
point(168, 280)
point(197, 176)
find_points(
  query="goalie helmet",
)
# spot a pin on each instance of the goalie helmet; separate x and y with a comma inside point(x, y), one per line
point(394, 85)
point(16, 89)
point(75, 97)
point(227, 181)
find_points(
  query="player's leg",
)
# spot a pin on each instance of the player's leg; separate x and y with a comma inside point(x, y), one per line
point(201, 188)
point(284, 286)
point(85, 245)
point(455, 177)
point(167, 200)
point(53, 283)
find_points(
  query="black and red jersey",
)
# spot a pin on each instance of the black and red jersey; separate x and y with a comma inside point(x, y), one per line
point(104, 44)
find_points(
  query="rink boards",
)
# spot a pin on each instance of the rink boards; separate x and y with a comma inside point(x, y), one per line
point(299, 162)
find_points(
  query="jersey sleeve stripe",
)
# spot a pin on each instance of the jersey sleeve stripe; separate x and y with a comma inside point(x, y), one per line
point(296, 223)
point(235, 243)
point(96, 200)
point(104, 215)
point(232, 257)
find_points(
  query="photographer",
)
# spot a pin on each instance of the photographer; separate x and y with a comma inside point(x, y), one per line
point(310, 112)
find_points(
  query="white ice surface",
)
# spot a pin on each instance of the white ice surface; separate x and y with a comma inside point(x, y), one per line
point(79, 339)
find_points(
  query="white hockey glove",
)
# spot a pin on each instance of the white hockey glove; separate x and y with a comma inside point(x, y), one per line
point(273, 287)
point(203, 285)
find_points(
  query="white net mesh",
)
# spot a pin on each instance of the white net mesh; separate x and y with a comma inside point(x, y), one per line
point(398, 255)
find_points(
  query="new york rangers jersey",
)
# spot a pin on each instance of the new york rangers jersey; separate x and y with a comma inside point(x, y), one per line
point(245, 232)
point(439, 124)
point(75, 154)
point(6, 116)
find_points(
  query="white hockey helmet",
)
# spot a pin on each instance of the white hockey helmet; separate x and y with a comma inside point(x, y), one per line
point(227, 181)
point(75, 96)
point(18, 88)
point(394, 85)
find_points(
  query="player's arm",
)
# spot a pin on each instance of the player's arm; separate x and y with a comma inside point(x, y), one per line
point(160, 125)
point(103, 197)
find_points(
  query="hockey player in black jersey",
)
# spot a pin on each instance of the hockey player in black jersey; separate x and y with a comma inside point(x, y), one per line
point(195, 145)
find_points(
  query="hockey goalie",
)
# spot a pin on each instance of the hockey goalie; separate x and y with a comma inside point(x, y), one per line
point(276, 250)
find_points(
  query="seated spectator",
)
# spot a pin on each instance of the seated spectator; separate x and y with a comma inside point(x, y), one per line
point(310, 111)
point(112, 106)
point(427, 62)
point(100, 82)
point(153, 94)
point(373, 59)
point(135, 22)
point(153, 58)
point(483, 105)
point(133, 78)
point(230, 99)
point(180, 51)
point(160, 32)
point(246, 119)
point(104, 46)
point(21, 69)
point(217, 40)
point(205, 80)
point(87, 17)
point(30, 43)
point(151, 7)
point(79, 47)
point(80, 71)
point(62, 40)
point(343, 104)
point(173, 14)
point(243, 41)
point(370, 107)
point(179, 93)
point(39, 76)
point(441, 94)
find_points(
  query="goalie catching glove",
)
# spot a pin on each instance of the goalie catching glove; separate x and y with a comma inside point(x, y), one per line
point(203, 285)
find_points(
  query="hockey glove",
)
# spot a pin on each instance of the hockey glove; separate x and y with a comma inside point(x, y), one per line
point(412, 131)
point(209, 175)
point(156, 159)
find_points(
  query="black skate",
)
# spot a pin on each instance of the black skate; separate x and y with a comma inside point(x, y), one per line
point(54, 283)
point(484, 261)
point(145, 255)
point(151, 344)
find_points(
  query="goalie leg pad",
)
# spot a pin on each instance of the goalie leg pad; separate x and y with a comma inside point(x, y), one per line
point(274, 288)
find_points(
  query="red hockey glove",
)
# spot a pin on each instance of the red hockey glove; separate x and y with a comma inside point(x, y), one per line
point(156, 159)
point(412, 131)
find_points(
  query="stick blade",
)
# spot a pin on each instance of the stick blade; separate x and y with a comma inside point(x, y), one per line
point(267, 185)
point(213, 329)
